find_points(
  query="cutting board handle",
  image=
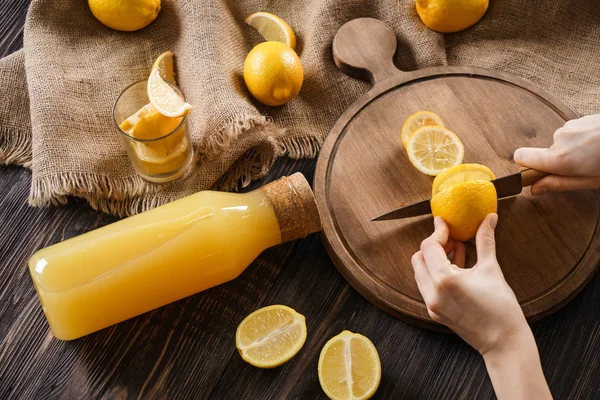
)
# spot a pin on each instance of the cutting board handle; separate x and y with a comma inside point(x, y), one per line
point(364, 48)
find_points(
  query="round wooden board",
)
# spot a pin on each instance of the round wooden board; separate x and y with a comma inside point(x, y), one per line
point(548, 246)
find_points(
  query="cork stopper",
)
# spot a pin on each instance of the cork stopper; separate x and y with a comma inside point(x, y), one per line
point(295, 206)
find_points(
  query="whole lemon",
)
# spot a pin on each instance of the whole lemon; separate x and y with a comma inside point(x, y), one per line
point(273, 73)
point(464, 206)
point(447, 16)
point(125, 15)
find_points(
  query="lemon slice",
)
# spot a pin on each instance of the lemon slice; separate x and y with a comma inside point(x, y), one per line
point(417, 121)
point(164, 155)
point(271, 336)
point(135, 118)
point(461, 173)
point(164, 98)
point(349, 367)
point(153, 125)
point(272, 28)
point(432, 149)
point(157, 159)
point(164, 65)
point(153, 153)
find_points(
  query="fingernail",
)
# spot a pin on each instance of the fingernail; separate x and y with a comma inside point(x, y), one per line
point(536, 191)
point(493, 221)
point(436, 221)
point(518, 156)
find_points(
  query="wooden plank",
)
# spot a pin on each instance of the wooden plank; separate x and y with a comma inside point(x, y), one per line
point(12, 18)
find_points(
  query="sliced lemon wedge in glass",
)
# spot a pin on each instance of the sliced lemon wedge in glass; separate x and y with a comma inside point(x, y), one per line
point(163, 155)
point(164, 65)
point(135, 118)
point(164, 98)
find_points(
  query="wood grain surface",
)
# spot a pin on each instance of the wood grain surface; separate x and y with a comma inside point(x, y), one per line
point(187, 350)
point(548, 246)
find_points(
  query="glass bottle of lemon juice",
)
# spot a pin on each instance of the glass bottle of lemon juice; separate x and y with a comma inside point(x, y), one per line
point(124, 269)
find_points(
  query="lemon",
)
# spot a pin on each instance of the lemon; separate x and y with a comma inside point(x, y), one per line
point(450, 15)
point(272, 28)
point(164, 65)
point(164, 98)
point(273, 73)
point(271, 336)
point(349, 367)
point(464, 206)
point(416, 121)
point(461, 173)
point(125, 15)
point(432, 149)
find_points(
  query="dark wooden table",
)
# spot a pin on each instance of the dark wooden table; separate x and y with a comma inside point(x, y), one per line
point(186, 350)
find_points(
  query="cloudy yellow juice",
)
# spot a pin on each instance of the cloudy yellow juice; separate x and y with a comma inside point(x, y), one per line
point(143, 262)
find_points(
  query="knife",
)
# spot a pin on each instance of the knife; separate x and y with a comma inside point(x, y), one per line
point(506, 186)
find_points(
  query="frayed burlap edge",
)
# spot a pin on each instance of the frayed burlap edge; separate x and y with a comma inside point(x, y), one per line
point(15, 147)
point(128, 196)
point(295, 147)
point(256, 162)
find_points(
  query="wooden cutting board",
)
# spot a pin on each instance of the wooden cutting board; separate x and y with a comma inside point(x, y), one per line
point(548, 246)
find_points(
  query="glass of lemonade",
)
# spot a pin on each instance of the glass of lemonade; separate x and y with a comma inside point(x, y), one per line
point(159, 147)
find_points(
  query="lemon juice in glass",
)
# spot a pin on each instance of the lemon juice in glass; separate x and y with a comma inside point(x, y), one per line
point(158, 145)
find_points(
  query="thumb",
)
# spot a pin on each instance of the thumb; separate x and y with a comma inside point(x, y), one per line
point(556, 183)
point(540, 159)
point(485, 240)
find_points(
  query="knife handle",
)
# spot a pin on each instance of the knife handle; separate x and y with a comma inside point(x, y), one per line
point(530, 176)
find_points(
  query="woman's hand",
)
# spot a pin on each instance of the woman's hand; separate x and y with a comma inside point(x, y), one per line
point(573, 159)
point(480, 307)
point(476, 303)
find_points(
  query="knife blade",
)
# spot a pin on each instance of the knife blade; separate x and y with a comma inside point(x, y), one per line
point(506, 186)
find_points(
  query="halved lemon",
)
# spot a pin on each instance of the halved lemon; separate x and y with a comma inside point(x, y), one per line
point(272, 28)
point(433, 149)
point(271, 336)
point(461, 173)
point(417, 121)
point(164, 64)
point(164, 98)
point(349, 367)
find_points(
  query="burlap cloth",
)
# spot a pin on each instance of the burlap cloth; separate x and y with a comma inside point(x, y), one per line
point(56, 94)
